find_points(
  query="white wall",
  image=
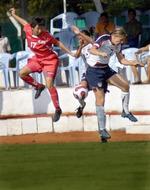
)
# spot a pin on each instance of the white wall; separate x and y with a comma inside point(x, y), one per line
point(22, 103)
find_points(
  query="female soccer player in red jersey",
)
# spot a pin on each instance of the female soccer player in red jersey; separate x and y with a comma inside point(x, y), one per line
point(45, 59)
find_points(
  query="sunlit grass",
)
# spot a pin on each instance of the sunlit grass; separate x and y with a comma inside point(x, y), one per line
point(75, 166)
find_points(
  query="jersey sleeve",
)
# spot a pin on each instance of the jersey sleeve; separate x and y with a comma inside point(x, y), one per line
point(102, 39)
point(27, 29)
point(52, 40)
point(96, 45)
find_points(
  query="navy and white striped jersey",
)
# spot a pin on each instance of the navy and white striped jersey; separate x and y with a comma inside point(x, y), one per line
point(90, 59)
point(103, 43)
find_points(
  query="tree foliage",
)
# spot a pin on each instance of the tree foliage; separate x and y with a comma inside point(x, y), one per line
point(51, 8)
point(114, 7)
point(47, 8)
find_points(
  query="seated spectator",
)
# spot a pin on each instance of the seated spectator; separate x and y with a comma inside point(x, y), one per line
point(143, 55)
point(104, 26)
point(133, 28)
point(137, 78)
point(4, 43)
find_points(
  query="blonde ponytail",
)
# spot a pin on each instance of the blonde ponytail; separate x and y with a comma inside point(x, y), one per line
point(119, 31)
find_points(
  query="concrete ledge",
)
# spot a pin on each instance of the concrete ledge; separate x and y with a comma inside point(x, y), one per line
point(14, 127)
point(29, 126)
point(68, 124)
point(3, 128)
point(71, 123)
point(22, 102)
point(21, 114)
point(44, 124)
point(90, 123)
point(141, 129)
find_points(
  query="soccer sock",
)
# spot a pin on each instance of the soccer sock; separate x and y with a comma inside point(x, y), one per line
point(54, 97)
point(101, 117)
point(28, 79)
point(125, 101)
point(82, 102)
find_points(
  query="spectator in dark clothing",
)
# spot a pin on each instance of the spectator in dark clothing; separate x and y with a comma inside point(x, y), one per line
point(133, 28)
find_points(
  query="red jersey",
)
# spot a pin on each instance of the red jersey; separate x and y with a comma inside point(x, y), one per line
point(41, 45)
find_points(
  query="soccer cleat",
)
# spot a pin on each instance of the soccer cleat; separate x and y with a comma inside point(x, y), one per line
point(103, 140)
point(79, 110)
point(57, 115)
point(38, 91)
point(104, 135)
point(137, 82)
point(130, 116)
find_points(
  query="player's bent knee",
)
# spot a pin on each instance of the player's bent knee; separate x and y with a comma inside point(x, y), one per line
point(49, 85)
point(22, 74)
point(100, 102)
point(126, 88)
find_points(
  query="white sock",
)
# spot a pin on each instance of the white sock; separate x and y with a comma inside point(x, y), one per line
point(125, 101)
point(101, 117)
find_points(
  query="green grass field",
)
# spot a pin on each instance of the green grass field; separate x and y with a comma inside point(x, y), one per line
point(75, 166)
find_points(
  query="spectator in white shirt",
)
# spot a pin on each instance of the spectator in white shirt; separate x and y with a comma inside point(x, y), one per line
point(144, 56)
point(4, 43)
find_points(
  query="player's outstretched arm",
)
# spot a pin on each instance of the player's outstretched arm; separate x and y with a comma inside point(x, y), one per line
point(12, 12)
point(95, 51)
point(65, 49)
point(78, 32)
point(78, 52)
point(79, 49)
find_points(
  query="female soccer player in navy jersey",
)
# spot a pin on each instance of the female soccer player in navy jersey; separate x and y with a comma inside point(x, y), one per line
point(99, 73)
point(45, 59)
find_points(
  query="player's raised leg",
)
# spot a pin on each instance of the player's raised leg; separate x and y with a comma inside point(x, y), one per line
point(118, 81)
point(80, 92)
point(24, 75)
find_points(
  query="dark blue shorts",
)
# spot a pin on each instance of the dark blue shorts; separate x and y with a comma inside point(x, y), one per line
point(97, 77)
